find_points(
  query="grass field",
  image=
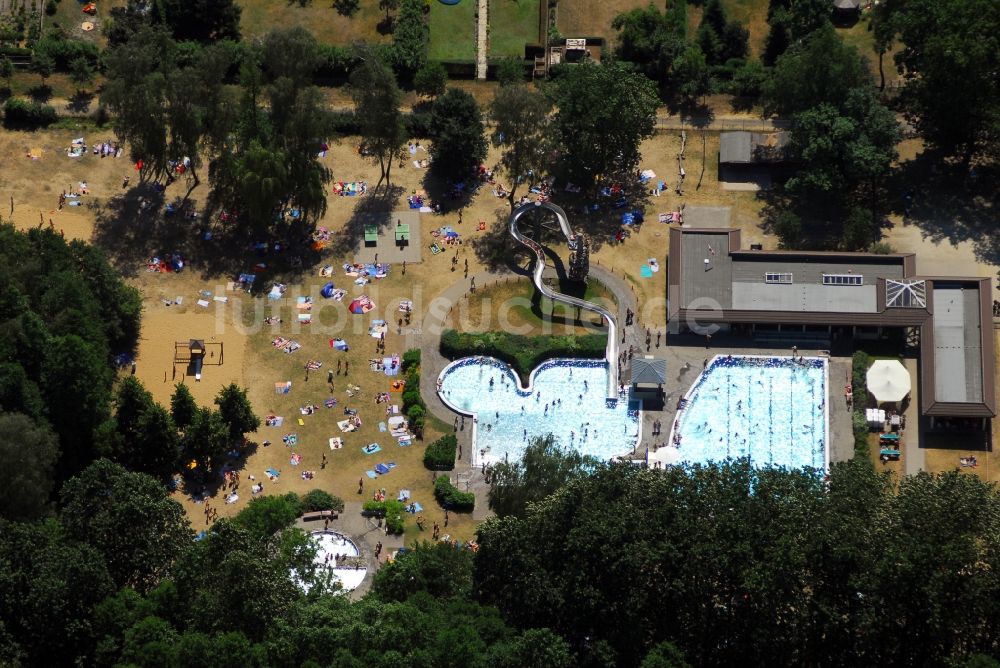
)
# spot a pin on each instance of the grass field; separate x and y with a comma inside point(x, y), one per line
point(513, 23)
point(262, 16)
point(453, 31)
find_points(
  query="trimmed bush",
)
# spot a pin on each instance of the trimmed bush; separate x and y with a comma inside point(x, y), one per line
point(392, 511)
point(317, 500)
point(411, 359)
point(522, 353)
point(440, 455)
point(451, 497)
point(22, 114)
point(859, 377)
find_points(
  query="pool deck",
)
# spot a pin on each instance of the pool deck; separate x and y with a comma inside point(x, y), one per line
point(685, 357)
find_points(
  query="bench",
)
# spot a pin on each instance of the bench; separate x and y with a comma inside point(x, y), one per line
point(320, 515)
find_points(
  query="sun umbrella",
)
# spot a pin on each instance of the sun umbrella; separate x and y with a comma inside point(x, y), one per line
point(888, 381)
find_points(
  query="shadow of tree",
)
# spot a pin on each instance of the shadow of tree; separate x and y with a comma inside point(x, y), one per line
point(41, 93)
point(948, 202)
point(141, 223)
point(496, 249)
point(80, 102)
point(375, 208)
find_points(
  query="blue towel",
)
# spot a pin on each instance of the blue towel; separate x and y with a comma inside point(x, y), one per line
point(371, 474)
point(414, 508)
point(381, 468)
point(646, 272)
point(381, 426)
point(273, 473)
point(371, 448)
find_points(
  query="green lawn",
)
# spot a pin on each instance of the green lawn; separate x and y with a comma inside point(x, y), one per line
point(453, 31)
point(318, 16)
point(513, 23)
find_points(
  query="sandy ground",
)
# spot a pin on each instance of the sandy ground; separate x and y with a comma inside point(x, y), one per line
point(249, 358)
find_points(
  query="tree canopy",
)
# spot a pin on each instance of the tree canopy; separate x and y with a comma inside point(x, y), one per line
point(820, 70)
point(949, 53)
point(545, 468)
point(459, 139)
point(66, 315)
point(521, 131)
point(377, 101)
point(604, 112)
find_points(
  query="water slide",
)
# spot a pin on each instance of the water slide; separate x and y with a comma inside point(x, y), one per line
point(611, 352)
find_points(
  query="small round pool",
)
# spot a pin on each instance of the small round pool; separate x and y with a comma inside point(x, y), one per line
point(341, 557)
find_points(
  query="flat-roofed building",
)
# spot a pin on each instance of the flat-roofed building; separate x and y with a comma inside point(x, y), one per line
point(800, 297)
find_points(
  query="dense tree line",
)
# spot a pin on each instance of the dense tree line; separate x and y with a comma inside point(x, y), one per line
point(738, 566)
point(66, 315)
point(713, 565)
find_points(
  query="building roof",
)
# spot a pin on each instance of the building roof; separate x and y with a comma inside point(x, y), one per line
point(743, 148)
point(953, 314)
point(649, 371)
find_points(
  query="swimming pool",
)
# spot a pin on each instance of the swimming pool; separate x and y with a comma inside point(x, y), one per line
point(567, 398)
point(770, 409)
point(349, 570)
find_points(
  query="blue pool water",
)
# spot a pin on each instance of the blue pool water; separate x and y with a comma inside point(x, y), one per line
point(770, 409)
point(567, 398)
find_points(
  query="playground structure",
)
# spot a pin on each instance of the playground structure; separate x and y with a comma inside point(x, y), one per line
point(192, 353)
point(579, 267)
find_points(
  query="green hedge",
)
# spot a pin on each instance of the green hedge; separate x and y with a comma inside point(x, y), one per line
point(413, 404)
point(522, 353)
point(451, 497)
point(392, 510)
point(859, 386)
point(440, 455)
point(317, 500)
point(860, 363)
point(26, 115)
point(411, 358)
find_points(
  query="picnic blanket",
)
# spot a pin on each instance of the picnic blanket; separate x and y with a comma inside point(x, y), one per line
point(377, 329)
point(336, 443)
point(290, 439)
point(295, 459)
point(347, 425)
point(404, 495)
point(274, 421)
point(381, 426)
point(391, 365)
point(371, 448)
point(414, 507)
point(272, 473)
point(382, 469)
point(330, 403)
point(283, 388)
point(371, 474)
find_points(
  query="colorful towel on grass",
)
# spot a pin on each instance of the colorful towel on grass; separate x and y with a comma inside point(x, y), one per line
point(371, 448)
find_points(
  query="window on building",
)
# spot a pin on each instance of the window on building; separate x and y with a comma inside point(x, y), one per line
point(906, 294)
point(843, 279)
point(777, 277)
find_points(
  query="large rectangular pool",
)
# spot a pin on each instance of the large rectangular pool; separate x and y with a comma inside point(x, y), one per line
point(772, 410)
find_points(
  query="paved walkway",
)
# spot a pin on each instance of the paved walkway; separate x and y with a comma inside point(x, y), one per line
point(482, 39)
point(365, 532)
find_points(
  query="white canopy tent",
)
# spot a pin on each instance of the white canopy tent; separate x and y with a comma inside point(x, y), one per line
point(888, 381)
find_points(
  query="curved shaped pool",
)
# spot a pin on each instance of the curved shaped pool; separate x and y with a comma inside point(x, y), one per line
point(340, 557)
point(565, 398)
point(772, 410)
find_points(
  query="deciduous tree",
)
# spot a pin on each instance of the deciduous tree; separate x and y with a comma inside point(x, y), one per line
point(29, 452)
point(604, 112)
point(377, 101)
point(459, 140)
point(129, 519)
point(521, 130)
